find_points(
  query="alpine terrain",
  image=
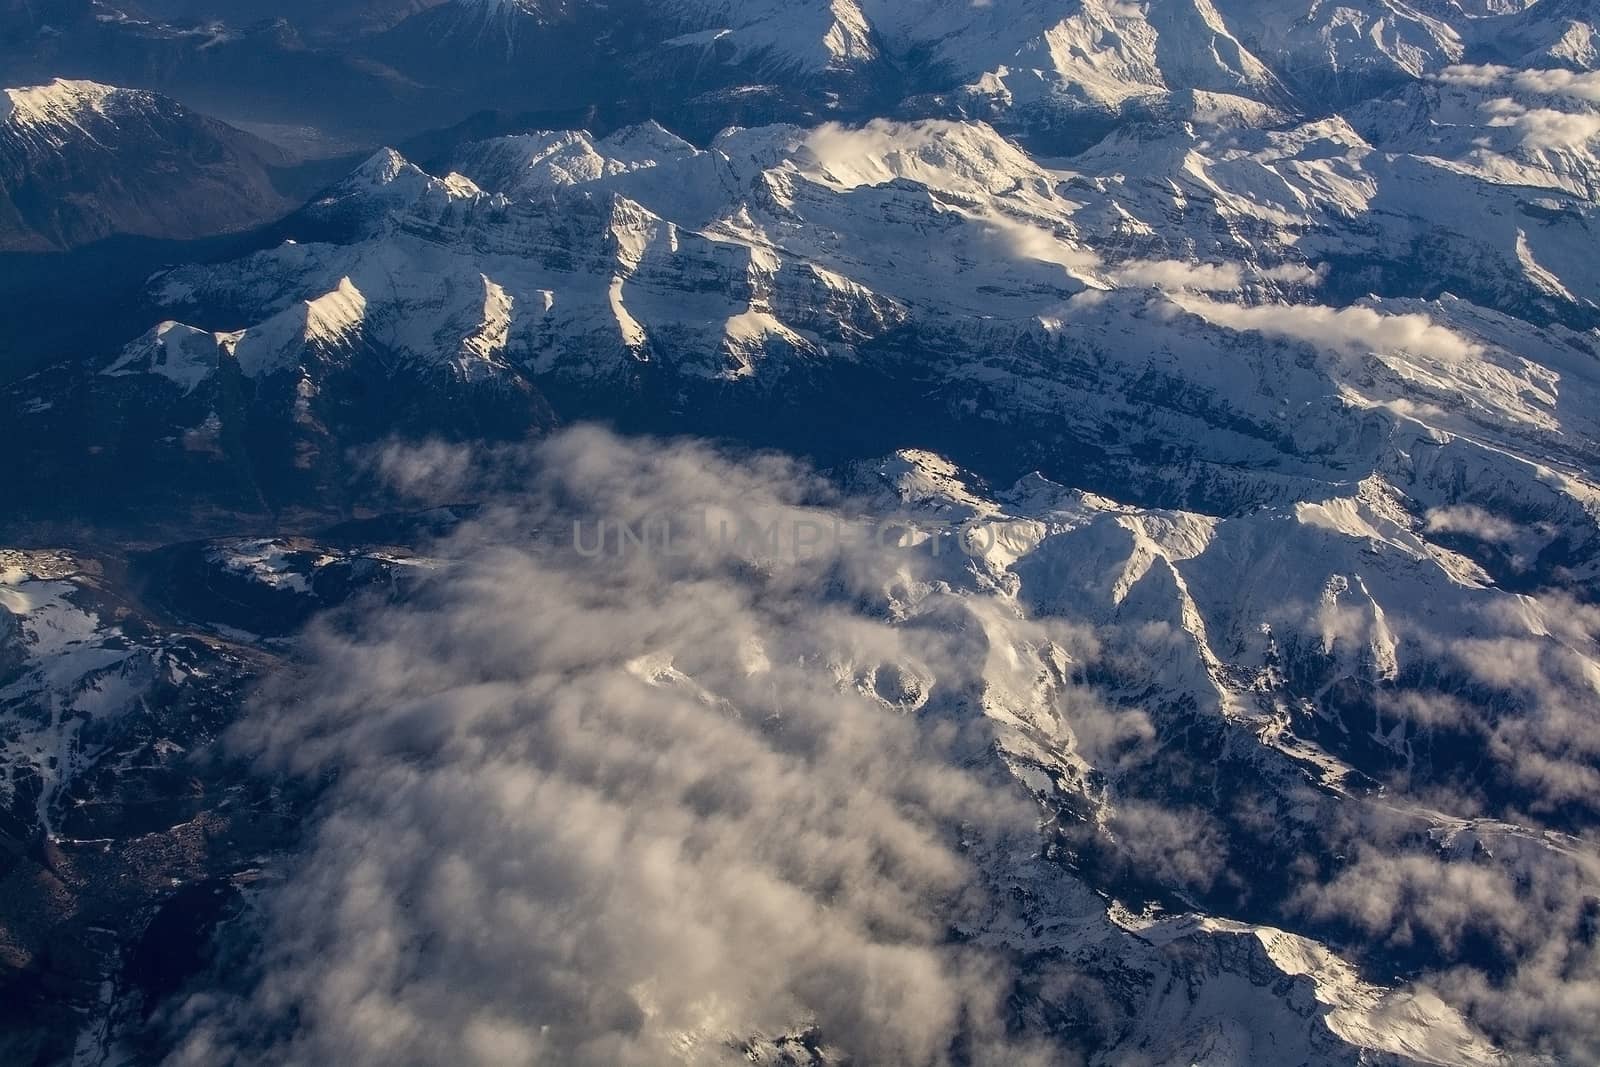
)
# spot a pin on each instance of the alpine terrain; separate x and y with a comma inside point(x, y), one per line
point(822, 532)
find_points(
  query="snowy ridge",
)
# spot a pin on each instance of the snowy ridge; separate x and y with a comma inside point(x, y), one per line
point(63, 102)
point(494, 28)
point(1024, 55)
point(79, 681)
point(183, 354)
point(1033, 65)
point(1169, 585)
point(526, 164)
point(810, 37)
point(816, 237)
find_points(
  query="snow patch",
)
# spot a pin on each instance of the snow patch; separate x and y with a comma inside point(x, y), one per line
point(179, 353)
point(61, 103)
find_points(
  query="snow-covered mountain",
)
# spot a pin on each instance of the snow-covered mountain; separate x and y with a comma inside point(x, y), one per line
point(319, 22)
point(1551, 33)
point(1055, 70)
point(1159, 626)
point(1058, 72)
point(1135, 287)
point(81, 161)
point(491, 30)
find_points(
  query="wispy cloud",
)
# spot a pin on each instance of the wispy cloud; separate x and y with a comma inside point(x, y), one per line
point(1355, 328)
point(632, 810)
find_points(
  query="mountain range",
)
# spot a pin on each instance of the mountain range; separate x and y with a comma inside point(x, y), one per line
point(1159, 621)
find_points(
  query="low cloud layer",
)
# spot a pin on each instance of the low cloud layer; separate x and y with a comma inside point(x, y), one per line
point(1576, 85)
point(1514, 918)
point(635, 810)
point(649, 807)
point(1351, 328)
point(1543, 127)
point(1474, 522)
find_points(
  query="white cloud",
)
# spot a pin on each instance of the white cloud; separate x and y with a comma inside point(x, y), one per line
point(1172, 846)
point(1522, 687)
point(629, 810)
point(1553, 82)
point(1474, 522)
point(1545, 128)
point(1476, 77)
point(1351, 328)
point(1557, 82)
point(1514, 929)
point(1293, 274)
point(1542, 128)
point(1028, 241)
point(1176, 274)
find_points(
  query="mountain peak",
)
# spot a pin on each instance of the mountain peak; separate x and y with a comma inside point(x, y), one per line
point(528, 7)
point(381, 168)
point(539, 11)
point(58, 102)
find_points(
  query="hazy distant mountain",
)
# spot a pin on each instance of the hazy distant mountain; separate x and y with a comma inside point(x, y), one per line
point(80, 161)
point(322, 22)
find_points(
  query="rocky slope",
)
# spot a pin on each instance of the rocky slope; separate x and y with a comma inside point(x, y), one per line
point(81, 161)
